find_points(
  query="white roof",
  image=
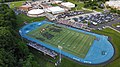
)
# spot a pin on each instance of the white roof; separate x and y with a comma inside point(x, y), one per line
point(56, 9)
point(35, 11)
point(57, 1)
point(26, 6)
point(118, 26)
point(68, 4)
point(94, 23)
point(115, 4)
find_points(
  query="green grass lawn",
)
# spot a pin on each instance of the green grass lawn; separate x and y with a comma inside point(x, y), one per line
point(114, 25)
point(73, 42)
point(21, 18)
point(42, 60)
point(54, 4)
point(79, 4)
point(99, 10)
point(16, 4)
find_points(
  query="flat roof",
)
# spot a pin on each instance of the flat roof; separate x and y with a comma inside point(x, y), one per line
point(27, 6)
point(68, 4)
point(35, 11)
point(56, 9)
point(115, 4)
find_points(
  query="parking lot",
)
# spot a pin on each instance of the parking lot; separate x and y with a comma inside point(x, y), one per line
point(95, 20)
point(101, 26)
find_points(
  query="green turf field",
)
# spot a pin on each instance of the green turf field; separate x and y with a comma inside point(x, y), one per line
point(73, 42)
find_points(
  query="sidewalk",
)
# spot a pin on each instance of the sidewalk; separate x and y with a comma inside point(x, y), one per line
point(112, 28)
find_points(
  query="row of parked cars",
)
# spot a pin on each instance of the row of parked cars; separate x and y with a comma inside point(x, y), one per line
point(72, 13)
point(96, 18)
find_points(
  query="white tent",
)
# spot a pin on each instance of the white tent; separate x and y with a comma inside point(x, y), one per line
point(68, 4)
point(56, 9)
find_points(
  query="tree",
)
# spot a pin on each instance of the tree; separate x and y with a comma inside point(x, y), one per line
point(6, 39)
point(7, 59)
point(29, 62)
point(21, 51)
point(1, 1)
point(13, 52)
point(7, 16)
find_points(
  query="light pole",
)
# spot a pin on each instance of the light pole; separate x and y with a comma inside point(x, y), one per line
point(59, 61)
point(60, 47)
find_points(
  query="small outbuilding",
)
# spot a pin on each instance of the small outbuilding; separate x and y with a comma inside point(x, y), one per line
point(68, 4)
point(57, 2)
point(114, 4)
point(56, 10)
point(25, 7)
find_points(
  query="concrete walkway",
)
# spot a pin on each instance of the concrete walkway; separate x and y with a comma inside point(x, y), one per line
point(112, 28)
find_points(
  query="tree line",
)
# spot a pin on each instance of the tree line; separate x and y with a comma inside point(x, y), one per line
point(13, 51)
point(1, 1)
point(94, 4)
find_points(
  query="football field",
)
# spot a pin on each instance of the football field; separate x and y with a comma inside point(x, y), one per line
point(73, 42)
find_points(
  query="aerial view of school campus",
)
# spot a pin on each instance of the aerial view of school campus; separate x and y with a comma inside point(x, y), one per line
point(59, 33)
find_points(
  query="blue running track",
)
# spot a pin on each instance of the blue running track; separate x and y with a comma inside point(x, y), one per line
point(94, 55)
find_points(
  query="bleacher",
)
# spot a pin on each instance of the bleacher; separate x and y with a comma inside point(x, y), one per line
point(50, 16)
point(72, 24)
point(43, 49)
